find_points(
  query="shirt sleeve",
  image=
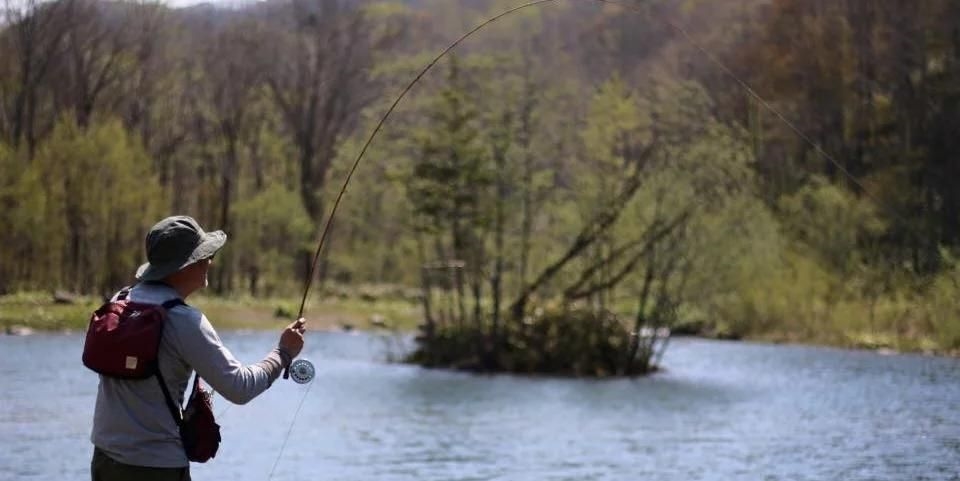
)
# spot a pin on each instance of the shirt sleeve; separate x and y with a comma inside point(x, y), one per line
point(203, 350)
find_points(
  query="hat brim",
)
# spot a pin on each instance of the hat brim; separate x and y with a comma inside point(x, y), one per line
point(211, 243)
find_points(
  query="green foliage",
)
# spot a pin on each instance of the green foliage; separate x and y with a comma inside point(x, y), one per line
point(943, 309)
point(581, 343)
point(81, 208)
point(272, 227)
point(615, 127)
point(451, 177)
point(22, 209)
point(374, 218)
point(831, 222)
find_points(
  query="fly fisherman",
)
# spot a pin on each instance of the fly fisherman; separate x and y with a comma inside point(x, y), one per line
point(135, 437)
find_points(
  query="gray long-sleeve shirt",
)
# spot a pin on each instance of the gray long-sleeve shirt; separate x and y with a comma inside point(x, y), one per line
point(131, 421)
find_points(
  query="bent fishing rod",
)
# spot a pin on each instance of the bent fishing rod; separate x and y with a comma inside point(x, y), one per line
point(633, 9)
point(302, 371)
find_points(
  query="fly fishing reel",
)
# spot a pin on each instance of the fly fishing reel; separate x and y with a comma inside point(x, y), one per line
point(302, 371)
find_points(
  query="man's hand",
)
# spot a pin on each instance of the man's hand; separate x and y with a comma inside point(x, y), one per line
point(291, 340)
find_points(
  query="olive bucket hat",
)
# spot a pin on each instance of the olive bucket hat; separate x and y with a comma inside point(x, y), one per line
point(175, 243)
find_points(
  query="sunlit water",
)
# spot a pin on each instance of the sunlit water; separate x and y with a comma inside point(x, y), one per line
point(720, 411)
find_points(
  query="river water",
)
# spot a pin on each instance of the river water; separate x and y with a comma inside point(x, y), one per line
point(719, 411)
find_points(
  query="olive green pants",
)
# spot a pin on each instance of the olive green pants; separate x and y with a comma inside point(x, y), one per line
point(103, 468)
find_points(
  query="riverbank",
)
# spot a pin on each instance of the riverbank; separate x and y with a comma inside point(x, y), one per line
point(23, 313)
point(837, 337)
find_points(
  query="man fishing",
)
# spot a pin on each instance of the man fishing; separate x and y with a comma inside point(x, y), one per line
point(135, 435)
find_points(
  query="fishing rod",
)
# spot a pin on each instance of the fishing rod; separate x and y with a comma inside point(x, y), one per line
point(630, 7)
point(302, 371)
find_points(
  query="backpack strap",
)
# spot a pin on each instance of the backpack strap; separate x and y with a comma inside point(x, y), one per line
point(122, 295)
point(172, 303)
point(171, 405)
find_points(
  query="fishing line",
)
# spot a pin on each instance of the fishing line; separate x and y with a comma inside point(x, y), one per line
point(632, 8)
point(346, 182)
point(289, 430)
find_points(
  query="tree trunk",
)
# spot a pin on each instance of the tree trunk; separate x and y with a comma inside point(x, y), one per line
point(641, 316)
point(227, 174)
point(595, 228)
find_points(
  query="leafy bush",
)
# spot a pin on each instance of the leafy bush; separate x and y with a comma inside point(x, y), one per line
point(561, 342)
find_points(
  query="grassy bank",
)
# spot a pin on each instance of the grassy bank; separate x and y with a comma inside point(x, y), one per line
point(904, 313)
point(906, 321)
point(905, 325)
point(39, 311)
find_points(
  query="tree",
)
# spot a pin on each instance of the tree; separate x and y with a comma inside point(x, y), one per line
point(270, 226)
point(96, 197)
point(315, 66)
point(95, 48)
point(232, 94)
point(451, 180)
point(622, 144)
point(33, 39)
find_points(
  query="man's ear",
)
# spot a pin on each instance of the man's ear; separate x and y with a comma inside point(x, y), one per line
point(193, 269)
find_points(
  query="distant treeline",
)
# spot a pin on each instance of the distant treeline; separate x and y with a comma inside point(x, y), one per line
point(573, 154)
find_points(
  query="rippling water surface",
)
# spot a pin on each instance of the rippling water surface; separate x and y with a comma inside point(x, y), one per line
point(720, 411)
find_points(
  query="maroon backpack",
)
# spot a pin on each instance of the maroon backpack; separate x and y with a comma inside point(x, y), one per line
point(123, 337)
point(123, 341)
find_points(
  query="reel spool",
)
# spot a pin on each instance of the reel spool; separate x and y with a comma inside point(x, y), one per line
point(302, 371)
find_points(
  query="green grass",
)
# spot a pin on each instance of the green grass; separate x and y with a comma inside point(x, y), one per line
point(38, 311)
point(902, 323)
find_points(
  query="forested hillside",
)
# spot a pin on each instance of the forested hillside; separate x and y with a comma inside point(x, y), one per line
point(577, 153)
